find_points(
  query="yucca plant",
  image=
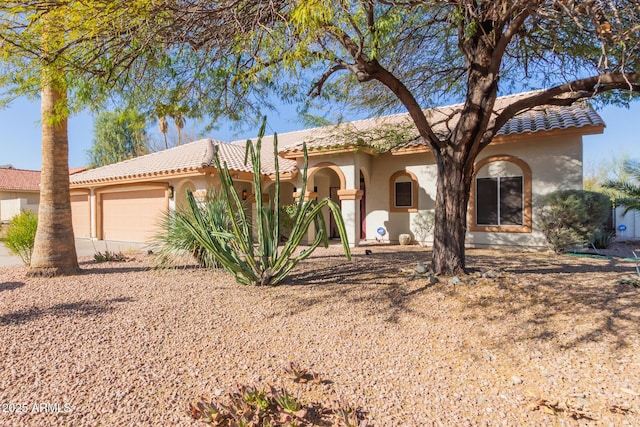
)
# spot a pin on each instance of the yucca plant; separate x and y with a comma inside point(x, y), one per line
point(261, 261)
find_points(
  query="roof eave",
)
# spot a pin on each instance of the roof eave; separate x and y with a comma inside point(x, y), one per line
point(20, 190)
point(126, 179)
point(286, 176)
point(323, 151)
point(516, 137)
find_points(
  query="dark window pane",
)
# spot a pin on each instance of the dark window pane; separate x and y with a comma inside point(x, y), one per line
point(487, 201)
point(511, 201)
point(403, 194)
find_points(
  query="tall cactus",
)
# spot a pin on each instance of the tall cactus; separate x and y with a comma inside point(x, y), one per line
point(261, 261)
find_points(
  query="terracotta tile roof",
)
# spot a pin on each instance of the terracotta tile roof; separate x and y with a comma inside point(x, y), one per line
point(398, 130)
point(377, 133)
point(267, 156)
point(78, 169)
point(184, 158)
point(233, 153)
point(578, 115)
point(19, 180)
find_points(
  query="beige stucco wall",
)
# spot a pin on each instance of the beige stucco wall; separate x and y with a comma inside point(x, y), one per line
point(555, 163)
point(631, 223)
point(197, 184)
point(422, 165)
point(12, 202)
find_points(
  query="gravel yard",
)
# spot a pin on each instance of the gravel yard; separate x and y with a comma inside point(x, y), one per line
point(546, 340)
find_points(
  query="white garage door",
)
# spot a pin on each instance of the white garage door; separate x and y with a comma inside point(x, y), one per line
point(132, 216)
point(80, 215)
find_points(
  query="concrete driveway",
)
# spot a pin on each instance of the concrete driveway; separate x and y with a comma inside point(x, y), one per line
point(6, 258)
point(84, 248)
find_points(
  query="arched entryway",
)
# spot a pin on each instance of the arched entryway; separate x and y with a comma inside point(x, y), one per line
point(326, 182)
point(180, 193)
point(286, 193)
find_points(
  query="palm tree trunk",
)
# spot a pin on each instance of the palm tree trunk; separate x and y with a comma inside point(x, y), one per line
point(164, 128)
point(54, 251)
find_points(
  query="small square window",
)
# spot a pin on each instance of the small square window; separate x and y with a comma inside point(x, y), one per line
point(404, 194)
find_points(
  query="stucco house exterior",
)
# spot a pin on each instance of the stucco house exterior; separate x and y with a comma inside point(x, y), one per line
point(379, 170)
point(19, 190)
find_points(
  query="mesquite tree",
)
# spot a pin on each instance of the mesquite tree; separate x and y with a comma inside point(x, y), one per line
point(385, 55)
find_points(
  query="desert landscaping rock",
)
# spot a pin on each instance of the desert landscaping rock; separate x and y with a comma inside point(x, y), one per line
point(553, 340)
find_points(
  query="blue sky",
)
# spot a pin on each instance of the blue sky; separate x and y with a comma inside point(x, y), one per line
point(20, 135)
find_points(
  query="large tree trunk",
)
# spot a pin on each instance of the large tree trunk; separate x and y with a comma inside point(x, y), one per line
point(54, 252)
point(452, 197)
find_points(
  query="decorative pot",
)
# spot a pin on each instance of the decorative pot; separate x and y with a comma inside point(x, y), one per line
point(404, 239)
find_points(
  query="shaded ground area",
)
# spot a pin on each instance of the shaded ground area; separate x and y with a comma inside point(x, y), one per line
point(546, 340)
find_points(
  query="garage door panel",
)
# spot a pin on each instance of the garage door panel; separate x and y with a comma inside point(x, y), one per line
point(80, 215)
point(132, 216)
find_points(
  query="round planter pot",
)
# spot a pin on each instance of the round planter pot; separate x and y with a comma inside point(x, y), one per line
point(404, 239)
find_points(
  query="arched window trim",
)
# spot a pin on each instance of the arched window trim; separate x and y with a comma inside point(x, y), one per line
point(414, 192)
point(526, 226)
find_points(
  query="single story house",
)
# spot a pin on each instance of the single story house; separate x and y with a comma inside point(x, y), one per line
point(19, 190)
point(379, 170)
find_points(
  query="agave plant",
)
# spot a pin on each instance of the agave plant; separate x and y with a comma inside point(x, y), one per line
point(260, 260)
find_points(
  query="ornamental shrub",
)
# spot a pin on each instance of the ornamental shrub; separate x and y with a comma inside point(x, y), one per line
point(571, 218)
point(287, 220)
point(175, 238)
point(21, 235)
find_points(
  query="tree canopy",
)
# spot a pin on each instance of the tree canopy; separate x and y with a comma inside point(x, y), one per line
point(118, 135)
point(389, 55)
point(228, 57)
point(71, 53)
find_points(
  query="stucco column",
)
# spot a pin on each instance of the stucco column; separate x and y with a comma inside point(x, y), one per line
point(350, 206)
point(254, 212)
point(308, 195)
point(93, 215)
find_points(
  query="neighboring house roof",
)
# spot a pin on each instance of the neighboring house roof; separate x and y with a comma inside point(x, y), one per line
point(398, 131)
point(19, 180)
point(183, 158)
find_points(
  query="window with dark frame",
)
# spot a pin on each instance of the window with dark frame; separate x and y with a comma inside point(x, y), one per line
point(499, 201)
point(404, 194)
